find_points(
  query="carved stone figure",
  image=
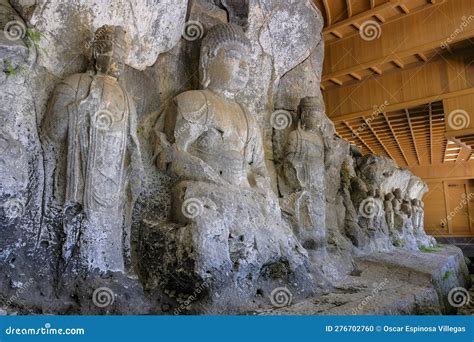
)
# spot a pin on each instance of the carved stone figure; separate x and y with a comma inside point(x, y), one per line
point(402, 222)
point(417, 217)
point(389, 211)
point(406, 206)
point(303, 170)
point(230, 221)
point(91, 127)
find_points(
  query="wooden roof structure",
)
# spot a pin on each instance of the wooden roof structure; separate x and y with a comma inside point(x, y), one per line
point(398, 77)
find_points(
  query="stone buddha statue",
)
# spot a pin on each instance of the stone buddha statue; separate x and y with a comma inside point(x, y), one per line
point(304, 171)
point(90, 126)
point(226, 223)
point(213, 134)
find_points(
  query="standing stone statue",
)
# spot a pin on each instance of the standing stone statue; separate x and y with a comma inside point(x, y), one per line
point(389, 212)
point(304, 172)
point(418, 214)
point(226, 223)
point(91, 127)
point(402, 222)
point(406, 206)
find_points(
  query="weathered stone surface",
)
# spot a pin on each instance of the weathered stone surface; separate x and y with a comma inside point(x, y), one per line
point(154, 27)
point(394, 283)
point(240, 248)
point(94, 161)
point(201, 144)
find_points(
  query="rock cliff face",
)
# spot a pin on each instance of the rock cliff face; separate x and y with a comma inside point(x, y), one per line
point(135, 180)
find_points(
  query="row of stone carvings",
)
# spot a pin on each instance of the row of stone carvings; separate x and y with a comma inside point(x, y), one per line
point(226, 226)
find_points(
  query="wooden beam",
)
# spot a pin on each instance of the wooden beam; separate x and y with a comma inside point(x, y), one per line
point(438, 80)
point(444, 152)
point(337, 34)
point(355, 134)
point(431, 132)
point(429, 37)
point(328, 12)
point(336, 81)
point(422, 56)
point(380, 18)
point(463, 155)
point(396, 139)
point(404, 8)
point(410, 104)
point(461, 170)
point(356, 76)
point(399, 63)
point(378, 138)
point(359, 17)
point(349, 8)
point(407, 113)
point(460, 143)
point(377, 70)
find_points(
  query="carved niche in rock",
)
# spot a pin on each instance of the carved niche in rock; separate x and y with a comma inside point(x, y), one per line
point(227, 227)
point(303, 172)
point(90, 134)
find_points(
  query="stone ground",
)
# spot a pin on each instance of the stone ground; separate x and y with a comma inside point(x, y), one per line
point(396, 283)
point(468, 308)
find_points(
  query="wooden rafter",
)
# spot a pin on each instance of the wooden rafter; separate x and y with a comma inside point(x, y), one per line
point(387, 57)
point(396, 138)
point(355, 134)
point(412, 136)
point(349, 8)
point(357, 18)
point(431, 132)
point(404, 8)
point(328, 12)
point(378, 138)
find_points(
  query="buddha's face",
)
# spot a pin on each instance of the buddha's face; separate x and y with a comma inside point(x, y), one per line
point(228, 70)
point(311, 119)
point(109, 57)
